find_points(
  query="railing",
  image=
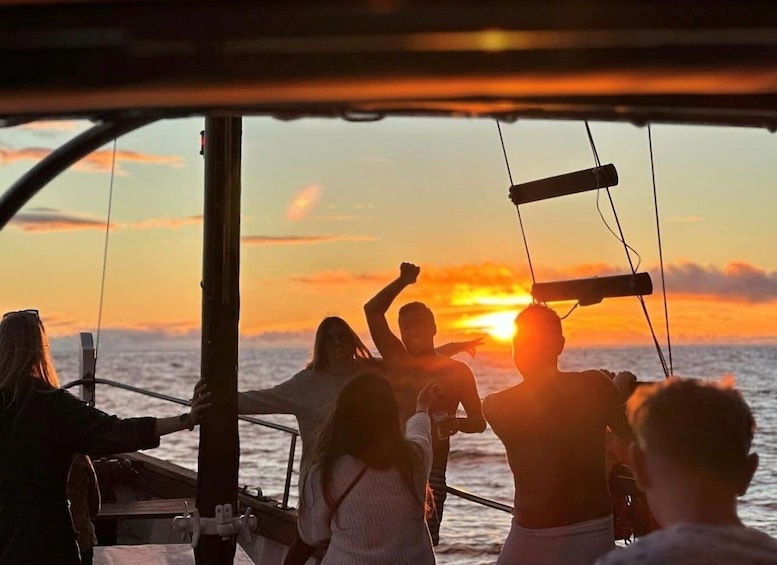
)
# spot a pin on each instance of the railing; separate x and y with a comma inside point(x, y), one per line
point(279, 427)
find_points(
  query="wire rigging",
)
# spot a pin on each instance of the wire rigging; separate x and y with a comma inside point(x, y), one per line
point(517, 208)
point(105, 251)
point(660, 249)
point(621, 238)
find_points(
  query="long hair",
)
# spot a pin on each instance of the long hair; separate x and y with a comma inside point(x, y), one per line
point(25, 359)
point(320, 361)
point(365, 425)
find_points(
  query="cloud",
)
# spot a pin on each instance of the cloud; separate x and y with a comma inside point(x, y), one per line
point(53, 126)
point(737, 281)
point(50, 219)
point(302, 239)
point(163, 223)
point(492, 284)
point(340, 278)
point(96, 162)
point(303, 202)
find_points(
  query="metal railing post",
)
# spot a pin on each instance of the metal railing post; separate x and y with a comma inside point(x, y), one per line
point(289, 468)
point(87, 366)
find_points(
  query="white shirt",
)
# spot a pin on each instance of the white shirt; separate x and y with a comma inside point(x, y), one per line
point(698, 544)
point(379, 520)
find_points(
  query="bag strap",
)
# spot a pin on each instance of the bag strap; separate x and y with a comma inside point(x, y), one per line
point(349, 489)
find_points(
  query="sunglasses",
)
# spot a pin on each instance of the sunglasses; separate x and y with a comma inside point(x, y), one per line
point(28, 312)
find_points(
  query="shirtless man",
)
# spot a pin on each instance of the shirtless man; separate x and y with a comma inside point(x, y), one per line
point(411, 363)
point(553, 427)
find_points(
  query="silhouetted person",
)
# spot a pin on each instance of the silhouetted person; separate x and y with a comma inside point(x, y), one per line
point(83, 494)
point(41, 428)
point(691, 456)
point(411, 364)
point(553, 428)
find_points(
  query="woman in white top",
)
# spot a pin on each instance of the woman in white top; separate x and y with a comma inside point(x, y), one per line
point(365, 493)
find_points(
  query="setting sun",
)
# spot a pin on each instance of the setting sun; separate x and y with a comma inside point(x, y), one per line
point(499, 325)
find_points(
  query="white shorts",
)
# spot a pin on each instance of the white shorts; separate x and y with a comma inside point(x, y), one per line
point(577, 544)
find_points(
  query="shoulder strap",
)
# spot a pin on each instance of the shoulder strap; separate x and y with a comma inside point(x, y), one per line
point(349, 489)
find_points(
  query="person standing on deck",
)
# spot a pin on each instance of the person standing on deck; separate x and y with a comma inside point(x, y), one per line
point(41, 428)
point(553, 427)
point(691, 456)
point(411, 364)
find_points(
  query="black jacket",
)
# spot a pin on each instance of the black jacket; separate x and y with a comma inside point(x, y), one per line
point(38, 437)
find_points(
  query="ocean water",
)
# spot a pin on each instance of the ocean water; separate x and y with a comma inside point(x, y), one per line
point(470, 533)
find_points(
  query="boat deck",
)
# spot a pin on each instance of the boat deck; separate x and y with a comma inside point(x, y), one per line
point(160, 554)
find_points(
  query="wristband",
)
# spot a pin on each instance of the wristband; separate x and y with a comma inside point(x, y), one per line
point(186, 421)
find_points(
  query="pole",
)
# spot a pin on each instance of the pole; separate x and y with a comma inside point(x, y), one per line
point(219, 454)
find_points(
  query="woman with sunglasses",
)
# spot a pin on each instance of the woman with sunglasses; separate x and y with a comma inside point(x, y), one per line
point(41, 428)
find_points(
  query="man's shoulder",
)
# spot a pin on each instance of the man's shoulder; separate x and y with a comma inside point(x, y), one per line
point(592, 381)
point(697, 543)
point(496, 400)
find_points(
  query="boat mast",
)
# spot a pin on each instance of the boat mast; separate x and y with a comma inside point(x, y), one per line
point(219, 453)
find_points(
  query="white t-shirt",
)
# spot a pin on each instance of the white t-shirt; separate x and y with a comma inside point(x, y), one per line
point(698, 544)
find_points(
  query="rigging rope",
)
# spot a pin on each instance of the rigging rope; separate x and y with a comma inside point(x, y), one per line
point(626, 247)
point(105, 252)
point(660, 249)
point(517, 208)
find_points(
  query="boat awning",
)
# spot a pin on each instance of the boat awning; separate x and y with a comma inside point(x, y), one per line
point(712, 62)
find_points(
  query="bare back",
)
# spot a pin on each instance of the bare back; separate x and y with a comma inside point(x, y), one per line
point(554, 435)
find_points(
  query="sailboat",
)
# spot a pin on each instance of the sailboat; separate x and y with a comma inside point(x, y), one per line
point(127, 64)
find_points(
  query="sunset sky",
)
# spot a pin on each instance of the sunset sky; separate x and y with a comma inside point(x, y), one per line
point(331, 208)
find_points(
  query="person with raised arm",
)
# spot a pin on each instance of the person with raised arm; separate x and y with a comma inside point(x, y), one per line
point(691, 455)
point(411, 363)
point(553, 426)
point(41, 428)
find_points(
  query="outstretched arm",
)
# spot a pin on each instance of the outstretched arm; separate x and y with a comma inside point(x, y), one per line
point(200, 404)
point(283, 398)
point(389, 345)
point(455, 347)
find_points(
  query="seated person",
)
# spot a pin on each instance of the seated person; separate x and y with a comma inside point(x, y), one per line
point(83, 493)
point(691, 456)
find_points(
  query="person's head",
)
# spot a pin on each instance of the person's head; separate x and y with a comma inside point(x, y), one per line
point(691, 432)
point(335, 343)
point(538, 340)
point(25, 359)
point(417, 328)
point(365, 425)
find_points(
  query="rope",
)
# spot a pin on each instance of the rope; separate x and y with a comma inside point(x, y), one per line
point(105, 251)
point(660, 248)
point(517, 208)
point(626, 247)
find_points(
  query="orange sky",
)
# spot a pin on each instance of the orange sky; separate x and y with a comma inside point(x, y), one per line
point(330, 209)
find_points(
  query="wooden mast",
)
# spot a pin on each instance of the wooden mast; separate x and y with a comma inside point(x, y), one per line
point(219, 454)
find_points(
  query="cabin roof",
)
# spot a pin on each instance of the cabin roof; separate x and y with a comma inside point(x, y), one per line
point(712, 62)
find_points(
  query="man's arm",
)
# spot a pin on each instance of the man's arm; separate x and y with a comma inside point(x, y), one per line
point(455, 347)
point(616, 410)
point(474, 423)
point(389, 345)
